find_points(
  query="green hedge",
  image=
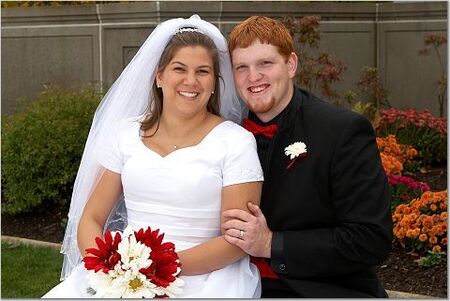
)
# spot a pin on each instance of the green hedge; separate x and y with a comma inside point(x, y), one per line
point(42, 146)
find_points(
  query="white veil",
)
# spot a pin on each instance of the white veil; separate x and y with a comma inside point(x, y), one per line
point(130, 96)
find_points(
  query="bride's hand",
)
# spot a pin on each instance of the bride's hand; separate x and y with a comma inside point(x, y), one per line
point(248, 231)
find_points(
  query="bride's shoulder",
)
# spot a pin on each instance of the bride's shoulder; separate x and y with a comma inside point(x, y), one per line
point(128, 125)
point(233, 131)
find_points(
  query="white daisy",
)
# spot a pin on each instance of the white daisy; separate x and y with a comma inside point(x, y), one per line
point(134, 255)
point(132, 284)
point(294, 150)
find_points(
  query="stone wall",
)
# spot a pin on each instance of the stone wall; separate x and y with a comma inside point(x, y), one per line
point(90, 44)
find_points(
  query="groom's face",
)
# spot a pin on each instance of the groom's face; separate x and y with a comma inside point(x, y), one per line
point(263, 78)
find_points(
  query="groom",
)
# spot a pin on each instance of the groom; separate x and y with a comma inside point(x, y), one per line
point(325, 220)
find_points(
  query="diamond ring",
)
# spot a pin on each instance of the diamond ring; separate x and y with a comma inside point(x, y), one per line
point(241, 234)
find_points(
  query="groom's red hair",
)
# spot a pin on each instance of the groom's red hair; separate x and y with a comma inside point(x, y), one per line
point(264, 29)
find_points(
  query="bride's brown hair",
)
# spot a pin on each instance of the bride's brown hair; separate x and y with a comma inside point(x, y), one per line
point(178, 41)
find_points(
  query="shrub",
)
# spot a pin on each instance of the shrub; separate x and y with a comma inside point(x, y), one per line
point(404, 189)
point(421, 225)
point(41, 148)
point(370, 83)
point(316, 71)
point(436, 42)
point(394, 155)
point(427, 134)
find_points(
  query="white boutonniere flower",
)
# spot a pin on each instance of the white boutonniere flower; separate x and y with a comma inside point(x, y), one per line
point(295, 151)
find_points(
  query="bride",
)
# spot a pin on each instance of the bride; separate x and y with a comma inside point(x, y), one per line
point(164, 152)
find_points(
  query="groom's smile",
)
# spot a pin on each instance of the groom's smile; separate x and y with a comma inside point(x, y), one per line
point(258, 89)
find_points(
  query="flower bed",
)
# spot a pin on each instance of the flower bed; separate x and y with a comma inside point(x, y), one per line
point(419, 215)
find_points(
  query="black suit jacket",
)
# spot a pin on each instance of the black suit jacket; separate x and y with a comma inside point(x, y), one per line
point(330, 212)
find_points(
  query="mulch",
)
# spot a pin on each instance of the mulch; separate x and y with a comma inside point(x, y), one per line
point(398, 272)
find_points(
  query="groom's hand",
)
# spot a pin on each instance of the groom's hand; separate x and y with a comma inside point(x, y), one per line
point(248, 231)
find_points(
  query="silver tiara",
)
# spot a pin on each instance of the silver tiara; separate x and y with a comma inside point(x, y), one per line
point(187, 29)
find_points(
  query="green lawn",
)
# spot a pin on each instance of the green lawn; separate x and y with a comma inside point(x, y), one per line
point(28, 271)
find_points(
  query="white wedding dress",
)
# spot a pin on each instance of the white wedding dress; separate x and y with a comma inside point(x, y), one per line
point(181, 195)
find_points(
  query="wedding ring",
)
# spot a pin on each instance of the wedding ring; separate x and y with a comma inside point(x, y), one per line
point(241, 234)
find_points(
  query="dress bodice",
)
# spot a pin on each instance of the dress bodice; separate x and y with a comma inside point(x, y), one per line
point(180, 193)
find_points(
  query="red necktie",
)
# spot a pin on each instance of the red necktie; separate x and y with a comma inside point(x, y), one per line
point(267, 131)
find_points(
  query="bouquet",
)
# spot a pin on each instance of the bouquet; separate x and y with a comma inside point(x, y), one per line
point(133, 265)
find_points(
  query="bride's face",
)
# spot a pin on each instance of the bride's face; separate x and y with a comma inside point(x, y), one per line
point(187, 81)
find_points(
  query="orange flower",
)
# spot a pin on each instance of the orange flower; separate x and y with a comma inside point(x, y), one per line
point(391, 165)
point(426, 196)
point(410, 233)
point(433, 231)
point(425, 229)
point(433, 240)
point(413, 216)
point(433, 207)
point(428, 221)
point(411, 152)
point(416, 232)
point(423, 237)
point(442, 229)
point(401, 233)
point(436, 249)
point(406, 210)
point(396, 217)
